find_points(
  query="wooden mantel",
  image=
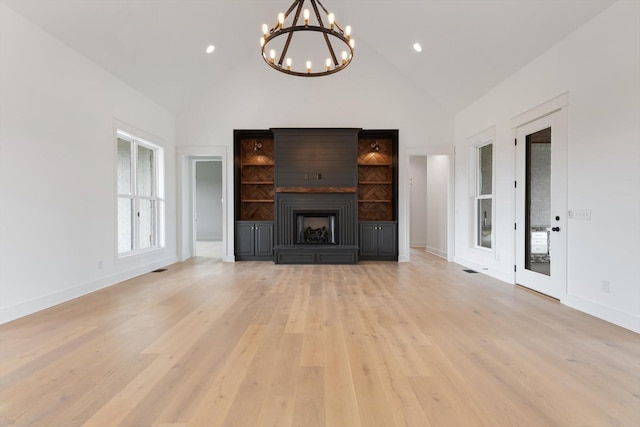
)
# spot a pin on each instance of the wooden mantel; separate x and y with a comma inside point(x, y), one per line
point(316, 189)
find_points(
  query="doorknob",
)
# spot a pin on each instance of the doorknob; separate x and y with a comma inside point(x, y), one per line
point(555, 229)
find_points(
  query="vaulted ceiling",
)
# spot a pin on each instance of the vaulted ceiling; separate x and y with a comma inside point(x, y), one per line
point(158, 46)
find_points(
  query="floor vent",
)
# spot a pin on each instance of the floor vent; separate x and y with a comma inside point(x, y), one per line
point(160, 270)
point(469, 271)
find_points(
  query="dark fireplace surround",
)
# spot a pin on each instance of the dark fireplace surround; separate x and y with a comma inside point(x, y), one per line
point(289, 208)
point(316, 177)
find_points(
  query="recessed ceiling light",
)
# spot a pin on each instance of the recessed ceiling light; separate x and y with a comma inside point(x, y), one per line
point(417, 47)
point(211, 48)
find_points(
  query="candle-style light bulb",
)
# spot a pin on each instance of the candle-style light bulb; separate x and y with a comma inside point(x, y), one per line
point(328, 64)
point(347, 31)
point(272, 55)
point(309, 67)
point(265, 29)
point(352, 43)
point(289, 64)
point(280, 20)
point(332, 20)
point(261, 41)
point(305, 13)
point(344, 57)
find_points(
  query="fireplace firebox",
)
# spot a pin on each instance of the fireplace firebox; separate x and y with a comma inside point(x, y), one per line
point(316, 228)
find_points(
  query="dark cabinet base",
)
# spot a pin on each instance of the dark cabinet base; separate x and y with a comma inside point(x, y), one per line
point(316, 254)
point(254, 241)
point(378, 241)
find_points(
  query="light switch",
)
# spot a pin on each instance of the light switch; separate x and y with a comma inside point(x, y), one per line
point(580, 214)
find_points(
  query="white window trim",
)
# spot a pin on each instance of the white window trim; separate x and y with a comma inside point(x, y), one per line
point(159, 194)
point(478, 141)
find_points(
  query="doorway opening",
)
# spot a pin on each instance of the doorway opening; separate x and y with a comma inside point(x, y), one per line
point(207, 200)
point(208, 208)
point(429, 203)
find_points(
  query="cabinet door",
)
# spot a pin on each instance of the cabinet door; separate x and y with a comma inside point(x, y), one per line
point(368, 240)
point(245, 238)
point(387, 240)
point(264, 239)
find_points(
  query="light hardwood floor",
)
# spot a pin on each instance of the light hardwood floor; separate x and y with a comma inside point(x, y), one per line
point(376, 344)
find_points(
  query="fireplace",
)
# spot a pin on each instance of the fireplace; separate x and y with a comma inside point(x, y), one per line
point(316, 228)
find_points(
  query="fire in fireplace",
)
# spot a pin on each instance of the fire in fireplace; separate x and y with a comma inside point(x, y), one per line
point(316, 228)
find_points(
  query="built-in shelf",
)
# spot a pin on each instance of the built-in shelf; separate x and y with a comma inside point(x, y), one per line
point(255, 174)
point(376, 175)
point(307, 174)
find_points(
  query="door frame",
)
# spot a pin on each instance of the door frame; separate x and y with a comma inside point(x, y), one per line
point(558, 105)
point(404, 190)
point(186, 157)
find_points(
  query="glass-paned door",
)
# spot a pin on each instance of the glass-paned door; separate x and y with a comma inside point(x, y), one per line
point(541, 204)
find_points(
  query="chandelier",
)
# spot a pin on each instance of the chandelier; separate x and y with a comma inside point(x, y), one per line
point(312, 34)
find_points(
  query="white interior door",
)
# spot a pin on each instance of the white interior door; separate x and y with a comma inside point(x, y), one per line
point(541, 204)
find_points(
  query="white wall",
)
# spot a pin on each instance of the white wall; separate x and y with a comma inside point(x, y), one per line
point(368, 94)
point(598, 66)
point(57, 215)
point(209, 200)
point(418, 179)
point(437, 193)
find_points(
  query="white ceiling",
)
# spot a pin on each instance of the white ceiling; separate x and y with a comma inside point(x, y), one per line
point(157, 46)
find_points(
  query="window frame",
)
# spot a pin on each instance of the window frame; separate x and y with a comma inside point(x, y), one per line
point(478, 196)
point(156, 197)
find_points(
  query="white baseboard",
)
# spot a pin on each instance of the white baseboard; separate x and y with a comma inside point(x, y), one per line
point(7, 314)
point(436, 251)
point(611, 315)
point(503, 276)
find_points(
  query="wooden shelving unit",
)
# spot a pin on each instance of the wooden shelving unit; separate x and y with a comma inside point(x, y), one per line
point(256, 178)
point(376, 177)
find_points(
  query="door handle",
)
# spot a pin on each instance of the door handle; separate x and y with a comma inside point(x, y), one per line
point(555, 229)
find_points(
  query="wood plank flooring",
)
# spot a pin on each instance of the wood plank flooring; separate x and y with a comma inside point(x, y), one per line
point(376, 344)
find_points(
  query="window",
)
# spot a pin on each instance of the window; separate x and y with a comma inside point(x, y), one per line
point(484, 195)
point(140, 194)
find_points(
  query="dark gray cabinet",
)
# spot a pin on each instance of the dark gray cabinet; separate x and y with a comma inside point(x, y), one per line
point(378, 240)
point(254, 241)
